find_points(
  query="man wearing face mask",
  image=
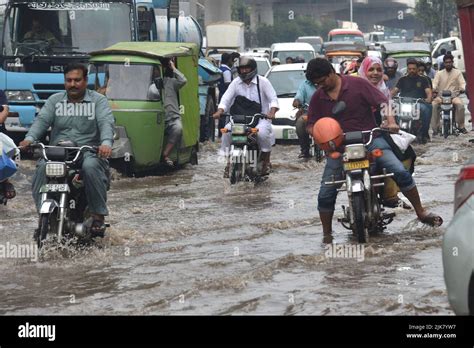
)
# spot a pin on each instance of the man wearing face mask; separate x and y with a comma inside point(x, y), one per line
point(392, 75)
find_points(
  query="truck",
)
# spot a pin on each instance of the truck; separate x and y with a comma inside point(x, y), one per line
point(455, 46)
point(31, 66)
point(225, 37)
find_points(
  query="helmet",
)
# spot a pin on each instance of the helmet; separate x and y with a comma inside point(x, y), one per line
point(245, 61)
point(327, 133)
point(390, 63)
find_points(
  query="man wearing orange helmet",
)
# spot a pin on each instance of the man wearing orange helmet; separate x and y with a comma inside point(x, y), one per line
point(360, 98)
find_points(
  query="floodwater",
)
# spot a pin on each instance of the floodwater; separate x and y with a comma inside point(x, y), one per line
point(189, 243)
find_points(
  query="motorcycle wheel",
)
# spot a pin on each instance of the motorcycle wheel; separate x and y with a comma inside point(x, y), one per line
point(358, 206)
point(235, 173)
point(446, 127)
point(42, 232)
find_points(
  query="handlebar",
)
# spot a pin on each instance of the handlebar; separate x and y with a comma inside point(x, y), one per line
point(415, 100)
point(79, 149)
point(372, 131)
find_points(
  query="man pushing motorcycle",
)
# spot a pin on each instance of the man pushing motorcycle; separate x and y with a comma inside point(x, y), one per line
point(83, 117)
point(360, 97)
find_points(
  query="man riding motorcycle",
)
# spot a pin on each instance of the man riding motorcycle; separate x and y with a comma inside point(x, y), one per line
point(392, 75)
point(360, 97)
point(248, 95)
point(303, 97)
point(413, 85)
point(450, 79)
point(85, 118)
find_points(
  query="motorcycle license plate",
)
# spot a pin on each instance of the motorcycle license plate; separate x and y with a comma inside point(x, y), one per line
point(54, 188)
point(289, 134)
point(239, 139)
point(356, 165)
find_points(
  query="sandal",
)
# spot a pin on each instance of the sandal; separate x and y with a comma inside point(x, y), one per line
point(9, 190)
point(432, 220)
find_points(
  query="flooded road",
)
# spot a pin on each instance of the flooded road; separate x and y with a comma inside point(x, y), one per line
point(189, 243)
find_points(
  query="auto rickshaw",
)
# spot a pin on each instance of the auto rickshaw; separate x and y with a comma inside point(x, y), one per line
point(404, 51)
point(130, 74)
point(338, 52)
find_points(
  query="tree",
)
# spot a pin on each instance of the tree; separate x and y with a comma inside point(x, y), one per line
point(438, 16)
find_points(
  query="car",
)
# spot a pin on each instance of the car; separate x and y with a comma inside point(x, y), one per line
point(292, 50)
point(315, 41)
point(458, 245)
point(286, 79)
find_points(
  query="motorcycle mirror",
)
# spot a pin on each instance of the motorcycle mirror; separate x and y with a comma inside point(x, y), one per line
point(339, 107)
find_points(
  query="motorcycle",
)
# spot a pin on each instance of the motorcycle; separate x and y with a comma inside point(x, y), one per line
point(63, 209)
point(408, 115)
point(365, 214)
point(448, 126)
point(315, 151)
point(244, 152)
point(8, 167)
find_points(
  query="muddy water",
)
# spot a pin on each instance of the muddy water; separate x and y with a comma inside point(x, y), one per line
point(189, 243)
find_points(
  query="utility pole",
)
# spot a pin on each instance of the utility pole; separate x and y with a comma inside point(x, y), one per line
point(351, 12)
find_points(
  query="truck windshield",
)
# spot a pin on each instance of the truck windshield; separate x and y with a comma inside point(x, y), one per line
point(347, 37)
point(127, 82)
point(44, 28)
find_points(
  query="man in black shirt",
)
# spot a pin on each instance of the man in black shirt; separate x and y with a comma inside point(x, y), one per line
point(415, 86)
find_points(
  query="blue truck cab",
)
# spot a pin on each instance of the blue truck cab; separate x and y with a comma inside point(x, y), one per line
point(40, 38)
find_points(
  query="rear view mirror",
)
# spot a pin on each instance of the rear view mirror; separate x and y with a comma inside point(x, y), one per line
point(158, 81)
point(338, 108)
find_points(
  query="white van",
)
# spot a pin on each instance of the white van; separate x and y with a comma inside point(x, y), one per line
point(292, 50)
point(453, 44)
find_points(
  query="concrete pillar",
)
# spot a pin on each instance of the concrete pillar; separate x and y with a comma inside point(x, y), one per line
point(261, 13)
point(217, 10)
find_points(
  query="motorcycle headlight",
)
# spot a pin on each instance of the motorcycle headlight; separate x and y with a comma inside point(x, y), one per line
point(13, 96)
point(238, 129)
point(446, 100)
point(354, 152)
point(55, 169)
point(406, 108)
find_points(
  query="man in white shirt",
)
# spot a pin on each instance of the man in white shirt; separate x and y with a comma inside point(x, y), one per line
point(450, 79)
point(256, 89)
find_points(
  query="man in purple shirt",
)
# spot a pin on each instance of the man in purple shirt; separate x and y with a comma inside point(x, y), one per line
point(361, 100)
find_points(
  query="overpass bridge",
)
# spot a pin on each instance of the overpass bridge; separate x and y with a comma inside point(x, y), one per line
point(366, 13)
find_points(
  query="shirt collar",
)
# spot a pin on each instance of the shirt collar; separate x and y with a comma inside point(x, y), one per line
point(344, 87)
point(225, 66)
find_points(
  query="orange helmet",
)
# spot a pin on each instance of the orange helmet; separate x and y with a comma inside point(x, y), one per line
point(327, 133)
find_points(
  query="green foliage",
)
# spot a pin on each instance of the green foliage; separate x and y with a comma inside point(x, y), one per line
point(438, 16)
